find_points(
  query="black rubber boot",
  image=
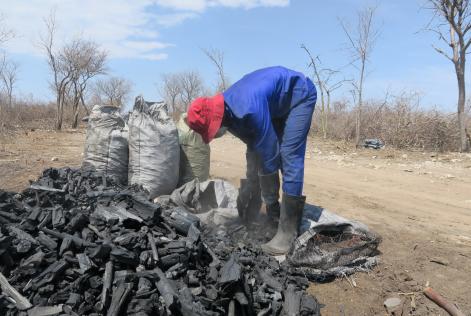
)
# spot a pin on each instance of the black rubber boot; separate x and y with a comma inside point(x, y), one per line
point(290, 218)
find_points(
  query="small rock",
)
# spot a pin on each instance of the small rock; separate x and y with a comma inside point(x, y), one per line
point(54, 159)
point(392, 304)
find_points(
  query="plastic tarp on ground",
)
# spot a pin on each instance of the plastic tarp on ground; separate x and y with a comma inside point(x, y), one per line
point(194, 154)
point(154, 153)
point(329, 245)
point(332, 246)
point(106, 145)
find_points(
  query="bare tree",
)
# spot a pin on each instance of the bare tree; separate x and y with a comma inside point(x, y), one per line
point(86, 60)
point(453, 29)
point(62, 71)
point(361, 39)
point(5, 33)
point(192, 86)
point(9, 76)
point(172, 90)
point(323, 79)
point(217, 58)
point(112, 91)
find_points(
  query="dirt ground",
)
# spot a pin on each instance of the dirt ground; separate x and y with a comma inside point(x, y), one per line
point(419, 202)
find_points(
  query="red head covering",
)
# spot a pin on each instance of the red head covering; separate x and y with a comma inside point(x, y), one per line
point(205, 116)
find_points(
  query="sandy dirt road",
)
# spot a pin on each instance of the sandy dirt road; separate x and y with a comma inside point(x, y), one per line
point(419, 202)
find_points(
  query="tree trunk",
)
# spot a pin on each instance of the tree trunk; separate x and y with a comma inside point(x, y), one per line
point(464, 146)
point(75, 111)
point(59, 110)
point(360, 104)
point(327, 113)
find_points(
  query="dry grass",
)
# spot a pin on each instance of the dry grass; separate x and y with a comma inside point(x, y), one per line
point(400, 123)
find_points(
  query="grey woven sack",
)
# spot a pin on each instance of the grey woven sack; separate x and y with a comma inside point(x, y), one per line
point(154, 153)
point(106, 145)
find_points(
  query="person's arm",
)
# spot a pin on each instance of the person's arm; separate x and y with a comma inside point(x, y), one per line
point(265, 141)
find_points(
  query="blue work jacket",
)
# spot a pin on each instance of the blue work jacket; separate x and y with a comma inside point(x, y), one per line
point(257, 105)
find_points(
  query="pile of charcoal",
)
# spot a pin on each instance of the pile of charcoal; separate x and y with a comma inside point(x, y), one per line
point(76, 243)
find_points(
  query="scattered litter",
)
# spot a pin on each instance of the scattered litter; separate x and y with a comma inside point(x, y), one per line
point(373, 143)
point(54, 159)
point(392, 304)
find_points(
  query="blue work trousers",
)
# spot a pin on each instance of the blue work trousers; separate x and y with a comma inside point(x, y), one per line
point(292, 135)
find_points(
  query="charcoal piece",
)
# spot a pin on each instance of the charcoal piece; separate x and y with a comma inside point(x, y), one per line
point(241, 298)
point(21, 302)
point(10, 216)
point(215, 260)
point(246, 261)
point(212, 293)
point(101, 252)
point(146, 260)
point(122, 255)
point(175, 271)
point(96, 231)
point(119, 299)
point(155, 254)
point(142, 207)
point(192, 280)
point(231, 310)
point(46, 310)
point(269, 280)
point(66, 245)
point(213, 274)
point(172, 259)
point(74, 300)
point(95, 282)
point(196, 291)
point(46, 220)
point(23, 246)
point(309, 306)
point(50, 274)
point(47, 241)
point(167, 290)
point(188, 306)
point(124, 276)
point(68, 311)
point(46, 289)
point(181, 220)
point(107, 283)
point(115, 212)
point(141, 307)
point(34, 260)
point(194, 234)
point(230, 271)
point(58, 219)
point(292, 301)
point(79, 242)
point(84, 262)
point(77, 223)
point(144, 285)
point(127, 239)
point(87, 234)
point(46, 188)
point(34, 214)
point(21, 235)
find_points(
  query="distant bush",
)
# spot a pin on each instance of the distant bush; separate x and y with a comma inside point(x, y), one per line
point(400, 123)
point(31, 114)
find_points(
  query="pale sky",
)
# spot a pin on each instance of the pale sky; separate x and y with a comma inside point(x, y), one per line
point(147, 38)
